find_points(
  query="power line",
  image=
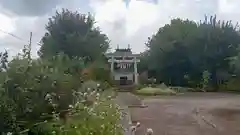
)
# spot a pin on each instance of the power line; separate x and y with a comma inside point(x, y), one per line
point(17, 37)
point(12, 35)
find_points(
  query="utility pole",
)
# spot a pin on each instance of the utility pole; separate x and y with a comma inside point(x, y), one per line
point(30, 46)
point(30, 42)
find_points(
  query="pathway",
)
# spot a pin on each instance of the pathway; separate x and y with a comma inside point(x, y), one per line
point(125, 99)
point(190, 114)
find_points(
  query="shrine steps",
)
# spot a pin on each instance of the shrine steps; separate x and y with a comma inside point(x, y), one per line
point(126, 88)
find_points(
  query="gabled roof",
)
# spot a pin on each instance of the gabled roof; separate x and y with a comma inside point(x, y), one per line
point(122, 52)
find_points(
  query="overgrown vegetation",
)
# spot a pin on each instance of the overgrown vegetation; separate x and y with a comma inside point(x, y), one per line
point(181, 52)
point(49, 95)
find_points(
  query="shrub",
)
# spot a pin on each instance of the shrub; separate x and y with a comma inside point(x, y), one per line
point(100, 118)
point(138, 87)
point(232, 85)
point(27, 86)
point(46, 96)
point(90, 85)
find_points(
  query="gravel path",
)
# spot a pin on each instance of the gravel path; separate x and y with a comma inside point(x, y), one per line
point(125, 99)
point(190, 114)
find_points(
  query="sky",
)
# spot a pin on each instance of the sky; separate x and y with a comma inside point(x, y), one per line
point(124, 21)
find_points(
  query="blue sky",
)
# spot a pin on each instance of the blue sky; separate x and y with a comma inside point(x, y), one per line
point(124, 23)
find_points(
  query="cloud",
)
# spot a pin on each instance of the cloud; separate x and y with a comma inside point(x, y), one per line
point(23, 27)
point(29, 7)
point(142, 18)
point(228, 6)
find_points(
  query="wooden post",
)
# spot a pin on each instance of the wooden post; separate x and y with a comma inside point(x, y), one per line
point(135, 71)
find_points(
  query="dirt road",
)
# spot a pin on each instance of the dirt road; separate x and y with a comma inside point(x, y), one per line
point(190, 114)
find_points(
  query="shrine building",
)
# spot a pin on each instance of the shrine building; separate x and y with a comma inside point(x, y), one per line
point(124, 66)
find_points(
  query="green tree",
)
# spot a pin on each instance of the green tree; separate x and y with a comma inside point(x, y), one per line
point(74, 34)
point(185, 47)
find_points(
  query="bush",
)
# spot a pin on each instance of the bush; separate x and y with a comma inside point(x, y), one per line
point(102, 117)
point(138, 87)
point(46, 96)
point(90, 85)
point(99, 71)
point(231, 85)
point(33, 89)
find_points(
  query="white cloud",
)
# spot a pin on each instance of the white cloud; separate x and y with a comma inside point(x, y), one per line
point(6, 25)
point(22, 29)
point(141, 18)
point(140, 14)
point(228, 6)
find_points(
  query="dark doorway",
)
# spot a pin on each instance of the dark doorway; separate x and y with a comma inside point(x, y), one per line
point(123, 80)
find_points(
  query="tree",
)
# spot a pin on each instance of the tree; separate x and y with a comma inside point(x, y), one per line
point(167, 50)
point(74, 34)
point(185, 47)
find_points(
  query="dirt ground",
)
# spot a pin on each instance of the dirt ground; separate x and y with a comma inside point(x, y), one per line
point(190, 114)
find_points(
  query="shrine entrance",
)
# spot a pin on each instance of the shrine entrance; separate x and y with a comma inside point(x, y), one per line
point(123, 80)
point(124, 66)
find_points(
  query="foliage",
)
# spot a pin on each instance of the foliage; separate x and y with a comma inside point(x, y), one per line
point(90, 85)
point(205, 79)
point(100, 118)
point(45, 96)
point(3, 60)
point(99, 70)
point(48, 95)
point(74, 34)
point(26, 85)
point(139, 86)
point(184, 47)
point(155, 91)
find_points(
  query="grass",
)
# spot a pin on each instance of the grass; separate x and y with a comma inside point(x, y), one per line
point(150, 91)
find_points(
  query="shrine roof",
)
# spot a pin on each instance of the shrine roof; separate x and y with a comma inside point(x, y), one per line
point(122, 52)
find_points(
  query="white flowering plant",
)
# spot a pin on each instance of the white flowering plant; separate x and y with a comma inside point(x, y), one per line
point(100, 118)
point(44, 96)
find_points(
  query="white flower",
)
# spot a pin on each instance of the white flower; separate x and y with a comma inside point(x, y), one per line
point(70, 106)
point(97, 94)
point(88, 89)
point(92, 93)
point(95, 103)
point(85, 94)
point(133, 128)
point(98, 85)
point(138, 124)
point(149, 131)
point(48, 96)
